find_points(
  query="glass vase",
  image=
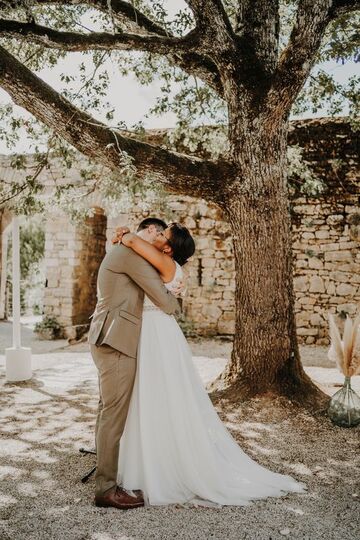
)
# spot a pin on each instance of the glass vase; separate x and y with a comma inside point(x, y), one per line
point(344, 407)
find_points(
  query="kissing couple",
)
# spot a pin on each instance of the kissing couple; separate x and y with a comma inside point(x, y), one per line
point(158, 437)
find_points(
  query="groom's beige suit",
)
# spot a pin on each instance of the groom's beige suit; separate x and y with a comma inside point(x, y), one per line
point(123, 279)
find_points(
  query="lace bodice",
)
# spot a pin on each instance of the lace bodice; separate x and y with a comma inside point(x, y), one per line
point(148, 305)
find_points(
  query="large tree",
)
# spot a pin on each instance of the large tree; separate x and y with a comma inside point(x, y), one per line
point(234, 52)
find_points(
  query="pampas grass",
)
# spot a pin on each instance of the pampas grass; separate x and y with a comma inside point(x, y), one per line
point(346, 351)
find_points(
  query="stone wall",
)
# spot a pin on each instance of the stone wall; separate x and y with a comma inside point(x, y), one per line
point(73, 255)
point(326, 242)
point(327, 264)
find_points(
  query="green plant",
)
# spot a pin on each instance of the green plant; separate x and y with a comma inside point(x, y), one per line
point(50, 327)
point(187, 326)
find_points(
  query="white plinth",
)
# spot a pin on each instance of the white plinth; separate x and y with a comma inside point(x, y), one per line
point(18, 364)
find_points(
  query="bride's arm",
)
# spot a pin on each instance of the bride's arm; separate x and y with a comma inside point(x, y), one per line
point(162, 262)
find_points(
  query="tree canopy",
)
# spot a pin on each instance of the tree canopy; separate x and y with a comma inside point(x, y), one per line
point(178, 47)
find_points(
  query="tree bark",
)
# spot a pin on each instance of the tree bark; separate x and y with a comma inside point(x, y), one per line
point(265, 356)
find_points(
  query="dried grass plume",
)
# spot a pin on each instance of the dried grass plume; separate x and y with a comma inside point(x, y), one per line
point(345, 352)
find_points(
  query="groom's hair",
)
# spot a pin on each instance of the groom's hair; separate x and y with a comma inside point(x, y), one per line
point(159, 224)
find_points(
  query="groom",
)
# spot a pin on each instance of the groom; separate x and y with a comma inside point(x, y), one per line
point(114, 333)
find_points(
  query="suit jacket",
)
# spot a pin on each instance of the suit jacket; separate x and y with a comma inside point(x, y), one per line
point(123, 278)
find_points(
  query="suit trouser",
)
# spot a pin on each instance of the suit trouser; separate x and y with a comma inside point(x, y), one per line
point(116, 380)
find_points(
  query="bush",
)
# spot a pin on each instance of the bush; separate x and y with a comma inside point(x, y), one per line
point(49, 328)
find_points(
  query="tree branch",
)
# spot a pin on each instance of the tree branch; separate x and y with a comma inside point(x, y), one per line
point(212, 23)
point(178, 172)
point(257, 27)
point(341, 7)
point(75, 41)
point(209, 11)
point(124, 13)
point(298, 57)
point(182, 52)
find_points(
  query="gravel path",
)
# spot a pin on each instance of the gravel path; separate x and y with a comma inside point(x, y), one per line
point(46, 420)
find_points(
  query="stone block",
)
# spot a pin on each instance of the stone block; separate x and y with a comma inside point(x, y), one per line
point(330, 289)
point(208, 252)
point(211, 311)
point(342, 277)
point(322, 235)
point(316, 320)
point(52, 262)
point(226, 327)
point(349, 308)
point(345, 290)
point(65, 235)
point(349, 245)
point(189, 222)
point(335, 219)
point(205, 223)
point(203, 243)
point(52, 301)
point(316, 284)
point(307, 331)
point(302, 318)
point(338, 256)
point(306, 301)
point(323, 341)
point(306, 209)
point(301, 283)
point(49, 245)
point(329, 247)
point(315, 263)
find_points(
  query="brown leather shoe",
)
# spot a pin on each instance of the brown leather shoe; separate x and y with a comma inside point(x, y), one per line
point(118, 498)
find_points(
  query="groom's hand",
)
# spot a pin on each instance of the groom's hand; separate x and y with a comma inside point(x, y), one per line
point(119, 233)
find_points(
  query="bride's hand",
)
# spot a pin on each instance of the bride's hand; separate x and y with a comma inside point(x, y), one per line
point(119, 233)
point(179, 289)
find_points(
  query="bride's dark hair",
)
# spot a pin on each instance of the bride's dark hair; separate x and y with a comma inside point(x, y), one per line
point(181, 242)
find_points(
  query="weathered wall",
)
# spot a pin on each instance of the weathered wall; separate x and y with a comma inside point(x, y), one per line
point(73, 256)
point(326, 242)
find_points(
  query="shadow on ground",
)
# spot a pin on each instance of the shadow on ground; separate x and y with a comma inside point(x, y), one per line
point(46, 420)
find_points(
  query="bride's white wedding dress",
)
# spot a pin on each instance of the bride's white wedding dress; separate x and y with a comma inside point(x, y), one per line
point(175, 447)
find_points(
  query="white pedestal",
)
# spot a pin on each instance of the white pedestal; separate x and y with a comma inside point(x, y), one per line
point(18, 364)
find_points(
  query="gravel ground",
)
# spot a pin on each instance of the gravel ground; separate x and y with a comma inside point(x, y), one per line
point(46, 420)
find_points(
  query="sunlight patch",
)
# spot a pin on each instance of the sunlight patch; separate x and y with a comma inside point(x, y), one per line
point(7, 470)
point(27, 395)
point(6, 500)
point(297, 511)
point(107, 536)
point(300, 468)
point(13, 447)
point(262, 450)
point(28, 489)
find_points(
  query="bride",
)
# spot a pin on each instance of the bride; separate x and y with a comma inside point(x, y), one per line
point(175, 447)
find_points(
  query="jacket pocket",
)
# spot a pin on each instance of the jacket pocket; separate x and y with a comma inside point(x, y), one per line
point(129, 317)
point(96, 325)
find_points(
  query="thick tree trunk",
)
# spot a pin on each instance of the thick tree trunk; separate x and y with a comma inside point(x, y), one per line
point(265, 355)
